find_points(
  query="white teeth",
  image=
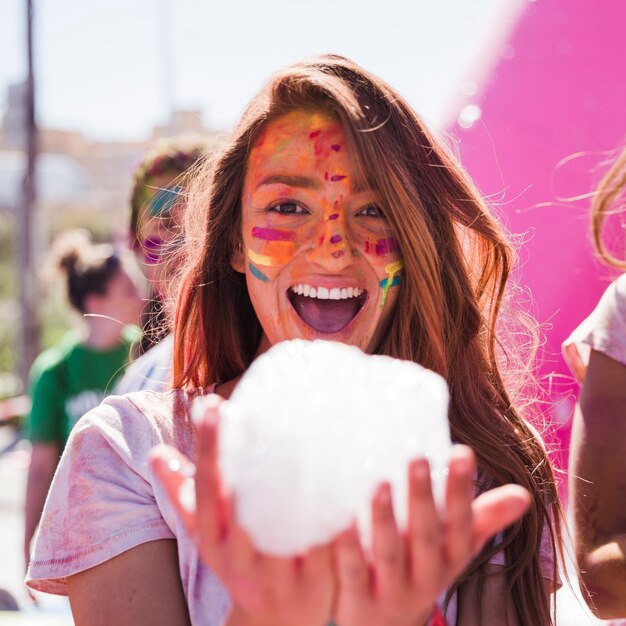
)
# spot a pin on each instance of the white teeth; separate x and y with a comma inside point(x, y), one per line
point(323, 293)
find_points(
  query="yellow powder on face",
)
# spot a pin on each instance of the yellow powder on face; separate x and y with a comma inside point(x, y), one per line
point(391, 270)
point(278, 253)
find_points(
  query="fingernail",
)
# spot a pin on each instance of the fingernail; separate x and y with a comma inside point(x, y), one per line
point(461, 466)
point(174, 465)
point(384, 494)
point(420, 469)
point(201, 405)
point(187, 495)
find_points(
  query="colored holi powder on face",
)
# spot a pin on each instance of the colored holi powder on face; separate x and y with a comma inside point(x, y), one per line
point(335, 178)
point(273, 234)
point(338, 254)
point(321, 241)
point(336, 239)
point(314, 134)
point(381, 246)
point(325, 175)
point(336, 147)
point(332, 217)
point(391, 270)
point(385, 246)
point(396, 281)
point(257, 273)
point(278, 253)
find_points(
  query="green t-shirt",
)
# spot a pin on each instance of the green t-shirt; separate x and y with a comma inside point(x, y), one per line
point(68, 380)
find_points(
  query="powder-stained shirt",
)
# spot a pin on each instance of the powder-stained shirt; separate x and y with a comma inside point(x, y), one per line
point(105, 500)
point(604, 331)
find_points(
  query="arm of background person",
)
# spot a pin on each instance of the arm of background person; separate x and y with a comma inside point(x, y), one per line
point(139, 586)
point(598, 484)
point(43, 463)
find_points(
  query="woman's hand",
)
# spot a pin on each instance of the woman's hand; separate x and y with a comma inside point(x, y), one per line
point(265, 590)
point(399, 583)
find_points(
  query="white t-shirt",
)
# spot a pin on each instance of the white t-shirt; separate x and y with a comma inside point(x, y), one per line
point(150, 371)
point(604, 330)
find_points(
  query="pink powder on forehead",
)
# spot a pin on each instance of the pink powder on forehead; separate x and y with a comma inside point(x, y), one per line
point(314, 134)
point(336, 239)
point(334, 216)
point(338, 253)
point(335, 178)
point(336, 147)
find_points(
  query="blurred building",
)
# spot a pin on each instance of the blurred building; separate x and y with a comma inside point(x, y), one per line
point(73, 171)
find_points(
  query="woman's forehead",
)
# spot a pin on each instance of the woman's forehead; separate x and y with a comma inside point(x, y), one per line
point(302, 138)
point(297, 125)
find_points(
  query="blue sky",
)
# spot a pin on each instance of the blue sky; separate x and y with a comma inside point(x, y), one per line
point(114, 68)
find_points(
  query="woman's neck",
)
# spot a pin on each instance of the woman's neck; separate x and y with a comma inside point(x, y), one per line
point(103, 333)
point(226, 389)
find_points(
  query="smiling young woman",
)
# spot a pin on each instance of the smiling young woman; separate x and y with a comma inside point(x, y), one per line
point(330, 213)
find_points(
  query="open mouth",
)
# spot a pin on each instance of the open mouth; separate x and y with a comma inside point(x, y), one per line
point(327, 310)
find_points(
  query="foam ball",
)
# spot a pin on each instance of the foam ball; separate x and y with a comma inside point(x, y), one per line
point(311, 431)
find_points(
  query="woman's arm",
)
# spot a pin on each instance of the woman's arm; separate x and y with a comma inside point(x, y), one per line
point(140, 586)
point(43, 461)
point(598, 484)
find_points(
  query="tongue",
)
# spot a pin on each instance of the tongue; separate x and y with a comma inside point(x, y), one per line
point(325, 316)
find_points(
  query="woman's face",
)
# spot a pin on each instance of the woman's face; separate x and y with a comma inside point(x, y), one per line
point(159, 230)
point(123, 299)
point(320, 259)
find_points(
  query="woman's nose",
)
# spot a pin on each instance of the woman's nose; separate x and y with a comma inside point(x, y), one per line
point(331, 246)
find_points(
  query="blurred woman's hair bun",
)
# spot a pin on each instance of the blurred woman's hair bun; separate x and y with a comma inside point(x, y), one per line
point(85, 266)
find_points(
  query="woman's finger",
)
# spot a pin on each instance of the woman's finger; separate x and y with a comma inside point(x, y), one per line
point(212, 514)
point(176, 473)
point(459, 497)
point(387, 545)
point(496, 509)
point(424, 532)
point(352, 571)
point(241, 553)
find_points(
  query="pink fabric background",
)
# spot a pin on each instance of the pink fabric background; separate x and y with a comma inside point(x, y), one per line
point(556, 90)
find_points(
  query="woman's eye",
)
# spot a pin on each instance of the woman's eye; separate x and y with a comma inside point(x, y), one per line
point(371, 210)
point(287, 208)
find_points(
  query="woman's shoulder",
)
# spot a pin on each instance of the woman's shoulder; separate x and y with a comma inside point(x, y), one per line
point(55, 356)
point(604, 330)
point(619, 284)
point(139, 421)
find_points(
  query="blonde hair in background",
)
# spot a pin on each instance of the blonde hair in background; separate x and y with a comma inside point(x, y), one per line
point(609, 200)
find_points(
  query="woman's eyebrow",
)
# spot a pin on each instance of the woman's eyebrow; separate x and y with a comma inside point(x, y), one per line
point(292, 181)
point(305, 182)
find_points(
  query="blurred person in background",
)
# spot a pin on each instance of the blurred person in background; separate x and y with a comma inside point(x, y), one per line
point(596, 354)
point(74, 376)
point(156, 230)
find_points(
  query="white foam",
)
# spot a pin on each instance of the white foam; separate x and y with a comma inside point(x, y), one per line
point(314, 427)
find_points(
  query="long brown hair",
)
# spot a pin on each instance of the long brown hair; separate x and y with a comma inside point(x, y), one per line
point(606, 202)
point(457, 262)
